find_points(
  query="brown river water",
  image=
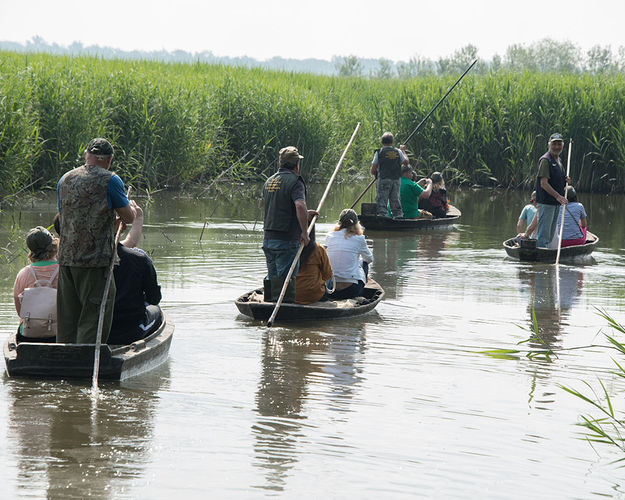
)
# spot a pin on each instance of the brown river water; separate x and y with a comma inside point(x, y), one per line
point(396, 403)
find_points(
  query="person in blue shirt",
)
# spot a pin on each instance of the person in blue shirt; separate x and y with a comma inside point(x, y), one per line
point(527, 214)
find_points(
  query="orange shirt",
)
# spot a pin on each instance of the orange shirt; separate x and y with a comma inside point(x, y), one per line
point(312, 276)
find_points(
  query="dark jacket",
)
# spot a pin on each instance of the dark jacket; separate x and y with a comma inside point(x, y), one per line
point(557, 180)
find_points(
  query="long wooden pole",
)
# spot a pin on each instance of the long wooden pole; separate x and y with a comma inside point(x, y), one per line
point(107, 286)
point(422, 122)
point(568, 169)
point(310, 226)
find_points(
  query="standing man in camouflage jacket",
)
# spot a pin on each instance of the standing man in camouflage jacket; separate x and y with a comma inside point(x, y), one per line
point(88, 198)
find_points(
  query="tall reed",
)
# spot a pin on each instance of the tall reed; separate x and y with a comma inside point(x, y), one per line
point(182, 124)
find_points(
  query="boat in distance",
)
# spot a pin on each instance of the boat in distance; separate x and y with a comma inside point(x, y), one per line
point(117, 362)
point(252, 304)
point(372, 222)
point(527, 251)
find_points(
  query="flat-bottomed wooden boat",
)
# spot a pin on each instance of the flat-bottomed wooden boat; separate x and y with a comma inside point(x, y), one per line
point(252, 304)
point(117, 362)
point(374, 223)
point(536, 254)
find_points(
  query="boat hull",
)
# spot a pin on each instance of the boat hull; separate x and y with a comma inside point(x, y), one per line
point(548, 254)
point(54, 360)
point(251, 304)
point(375, 223)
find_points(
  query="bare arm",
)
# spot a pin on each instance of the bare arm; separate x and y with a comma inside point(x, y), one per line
point(519, 226)
point(582, 222)
point(126, 214)
point(134, 235)
point(544, 183)
point(374, 170)
point(532, 227)
point(427, 191)
point(302, 217)
point(402, 148)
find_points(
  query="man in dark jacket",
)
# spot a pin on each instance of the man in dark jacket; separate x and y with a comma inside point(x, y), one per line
point(386, 168)
point(136, 313)
point(550, 183)
point(286, 222)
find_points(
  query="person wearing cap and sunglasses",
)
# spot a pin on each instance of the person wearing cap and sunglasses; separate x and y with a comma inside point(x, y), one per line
point(88, 199)
point(285, 223)
point(550, 182)
point(42, 271)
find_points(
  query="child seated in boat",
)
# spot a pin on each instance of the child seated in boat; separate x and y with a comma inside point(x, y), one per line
point(314, 271)
point(574, 232)
point(349, 256)
point(437, 203)
point(34, 291)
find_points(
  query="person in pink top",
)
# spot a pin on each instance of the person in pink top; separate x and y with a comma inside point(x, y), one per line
point(43, 268)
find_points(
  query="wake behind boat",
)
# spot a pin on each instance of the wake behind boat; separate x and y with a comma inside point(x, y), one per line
point(253, 305)
point(529, 252)
point(117, 362)
point(372, 222)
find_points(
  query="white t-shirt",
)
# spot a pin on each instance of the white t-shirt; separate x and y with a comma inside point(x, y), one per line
point(345, 255)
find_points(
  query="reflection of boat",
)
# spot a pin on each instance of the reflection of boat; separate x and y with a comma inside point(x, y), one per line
point(549, 254)
point(252, 304)
point(374, 223)
point(42, 360)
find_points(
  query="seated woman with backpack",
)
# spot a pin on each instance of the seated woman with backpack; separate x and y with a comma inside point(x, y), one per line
point(314, 271)
point(34, 292)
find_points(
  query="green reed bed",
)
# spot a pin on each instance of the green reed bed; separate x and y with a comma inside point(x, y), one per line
point(182, 124)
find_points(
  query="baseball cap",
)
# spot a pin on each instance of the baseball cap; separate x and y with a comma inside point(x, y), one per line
point(290, 154)
point(348, 217)
point(100, 146)
point(556, 137)
point(38, 239)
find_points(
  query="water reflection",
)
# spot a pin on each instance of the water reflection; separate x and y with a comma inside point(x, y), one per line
point(302, 368)
point(554, 291)
point(397, 255)
point(68, 448)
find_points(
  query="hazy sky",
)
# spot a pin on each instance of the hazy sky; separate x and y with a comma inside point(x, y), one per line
point(261, 29)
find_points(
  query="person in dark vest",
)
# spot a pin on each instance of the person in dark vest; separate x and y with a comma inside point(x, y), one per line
point(138, 294)
point(286, 223)
point(550, 183)
point(386, 168)
point(88, 198)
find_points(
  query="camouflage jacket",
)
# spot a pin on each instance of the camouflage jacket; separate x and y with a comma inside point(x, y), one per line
point(87, 223)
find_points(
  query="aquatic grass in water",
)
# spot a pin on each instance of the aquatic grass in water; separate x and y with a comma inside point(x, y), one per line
point(183, 124)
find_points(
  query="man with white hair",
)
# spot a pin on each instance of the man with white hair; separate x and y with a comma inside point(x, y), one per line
point(88, 198)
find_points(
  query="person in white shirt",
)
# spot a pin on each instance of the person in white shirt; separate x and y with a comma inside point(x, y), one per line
point(349, 256)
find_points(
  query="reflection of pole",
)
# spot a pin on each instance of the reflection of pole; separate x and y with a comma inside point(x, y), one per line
point(566, 184)
point(568, 169)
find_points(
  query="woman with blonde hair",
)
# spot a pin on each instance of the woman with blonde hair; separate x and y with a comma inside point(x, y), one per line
point(436, 204)
point(349, 256)
point(35, 303)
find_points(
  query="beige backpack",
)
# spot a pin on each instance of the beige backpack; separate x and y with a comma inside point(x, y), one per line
point(38, 309)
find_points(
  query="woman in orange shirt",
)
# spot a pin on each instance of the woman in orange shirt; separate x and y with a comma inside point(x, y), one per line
point(314, 271)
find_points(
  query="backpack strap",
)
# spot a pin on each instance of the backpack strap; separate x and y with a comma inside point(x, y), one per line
point(43, 282)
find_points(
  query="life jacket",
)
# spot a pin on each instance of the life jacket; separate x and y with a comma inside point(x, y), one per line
point(557, 180)
point(389, 163)
point(38, 308)
point(279, 207)
point(86, 220)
